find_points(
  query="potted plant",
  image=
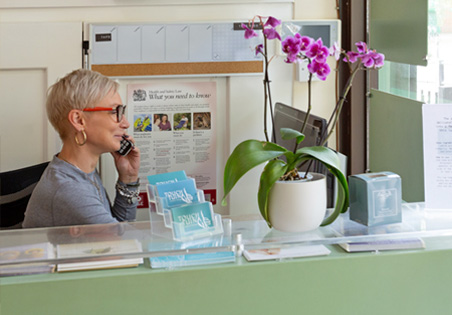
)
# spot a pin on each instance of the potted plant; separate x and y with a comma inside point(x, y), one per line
point(251, 153)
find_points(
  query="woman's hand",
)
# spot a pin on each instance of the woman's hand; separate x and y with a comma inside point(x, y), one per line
point(128, 166)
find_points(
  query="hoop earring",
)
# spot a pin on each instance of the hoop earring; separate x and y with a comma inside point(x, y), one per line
point(84, 138)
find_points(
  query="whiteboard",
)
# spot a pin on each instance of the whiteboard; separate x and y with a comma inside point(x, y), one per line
point(167, 43)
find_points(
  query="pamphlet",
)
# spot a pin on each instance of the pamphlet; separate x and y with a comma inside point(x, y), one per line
point(178, 193)
point(165, 178)
point(393, 244)
point(194, 217)
point(285, 252)
point(27, 253)
point(194, 259)
point(98, 255)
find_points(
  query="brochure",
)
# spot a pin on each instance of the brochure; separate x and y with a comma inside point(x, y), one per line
point(165, 178)
point(192, 219)
point(194, 259)
point(394, 244)
point(285, 252)
point(178, 193)
point(96, 252)
point(28, 253)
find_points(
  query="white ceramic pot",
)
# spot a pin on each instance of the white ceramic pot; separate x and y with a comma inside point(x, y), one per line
point(298, 206)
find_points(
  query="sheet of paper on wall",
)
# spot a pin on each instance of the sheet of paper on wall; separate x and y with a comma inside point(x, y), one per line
point(174, 126)
point(437, 131)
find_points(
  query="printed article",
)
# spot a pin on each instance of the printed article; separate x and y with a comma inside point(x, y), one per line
point(174, 127)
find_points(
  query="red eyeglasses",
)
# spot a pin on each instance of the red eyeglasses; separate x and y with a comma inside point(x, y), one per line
point(119, 110)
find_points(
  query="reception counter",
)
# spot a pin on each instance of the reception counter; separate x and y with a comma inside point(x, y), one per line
point(392, 282)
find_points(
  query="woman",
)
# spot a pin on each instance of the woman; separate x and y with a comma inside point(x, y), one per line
point(165, 125)
point(157, 122)
point(86, 110)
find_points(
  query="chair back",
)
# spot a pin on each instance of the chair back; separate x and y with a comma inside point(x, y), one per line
point(16, 187)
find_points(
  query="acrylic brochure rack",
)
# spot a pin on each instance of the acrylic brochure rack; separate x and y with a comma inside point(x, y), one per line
point(179, 211)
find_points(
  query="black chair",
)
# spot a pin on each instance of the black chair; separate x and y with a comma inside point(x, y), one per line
point(16, 187)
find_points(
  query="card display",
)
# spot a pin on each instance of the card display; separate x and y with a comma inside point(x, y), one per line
point(178, 209)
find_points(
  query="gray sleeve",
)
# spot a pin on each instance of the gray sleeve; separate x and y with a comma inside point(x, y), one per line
point(79, 206)
point(67, 196)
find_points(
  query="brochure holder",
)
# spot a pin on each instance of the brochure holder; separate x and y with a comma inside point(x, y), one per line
point(182, 221)
point(161, 203)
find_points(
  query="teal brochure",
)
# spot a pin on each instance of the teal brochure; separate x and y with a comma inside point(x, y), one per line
point(193, 259)
point(164, 178)
point(193, 218)
point(178, 193)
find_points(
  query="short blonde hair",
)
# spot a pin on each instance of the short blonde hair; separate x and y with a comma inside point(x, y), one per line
point(78, 90)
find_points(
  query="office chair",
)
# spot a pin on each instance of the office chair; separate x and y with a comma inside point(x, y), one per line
point(16, 187)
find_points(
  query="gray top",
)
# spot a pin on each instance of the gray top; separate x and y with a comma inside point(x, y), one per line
point(66, 195)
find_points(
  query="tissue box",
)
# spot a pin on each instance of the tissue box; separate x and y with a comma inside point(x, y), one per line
point(376, 198)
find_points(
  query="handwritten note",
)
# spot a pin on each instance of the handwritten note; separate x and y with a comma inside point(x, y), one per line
point(437, 130)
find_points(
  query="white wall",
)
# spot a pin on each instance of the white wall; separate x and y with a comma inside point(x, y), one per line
point(240, 97)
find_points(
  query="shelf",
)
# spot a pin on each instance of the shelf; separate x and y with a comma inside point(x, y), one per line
point(247, 232)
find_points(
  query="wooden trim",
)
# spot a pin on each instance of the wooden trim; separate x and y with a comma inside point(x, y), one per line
point(192, 68)
point(353, 120)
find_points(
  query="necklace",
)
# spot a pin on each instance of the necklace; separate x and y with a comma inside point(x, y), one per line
point(93, 180)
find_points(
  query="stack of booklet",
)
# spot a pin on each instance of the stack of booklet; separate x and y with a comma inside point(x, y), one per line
point(26, 253)
point(381, 245)
point(275, 253)
point(98, 255)
point(193, 259)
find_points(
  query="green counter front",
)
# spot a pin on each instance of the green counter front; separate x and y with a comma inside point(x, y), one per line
point(401, 282)
point(416, 281)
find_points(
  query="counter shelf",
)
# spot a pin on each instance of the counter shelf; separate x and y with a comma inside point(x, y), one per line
point(253, 230)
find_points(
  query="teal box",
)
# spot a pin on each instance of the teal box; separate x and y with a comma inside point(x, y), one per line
point(375, 198)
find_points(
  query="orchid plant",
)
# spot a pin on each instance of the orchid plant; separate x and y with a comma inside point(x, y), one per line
point(251, 153)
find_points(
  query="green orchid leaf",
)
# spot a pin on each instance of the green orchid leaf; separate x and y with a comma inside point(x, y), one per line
point(246, 156)
point(324, 154)
point(342, 200)
point(272, 172)
point(291, 158)
point(289, 134)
